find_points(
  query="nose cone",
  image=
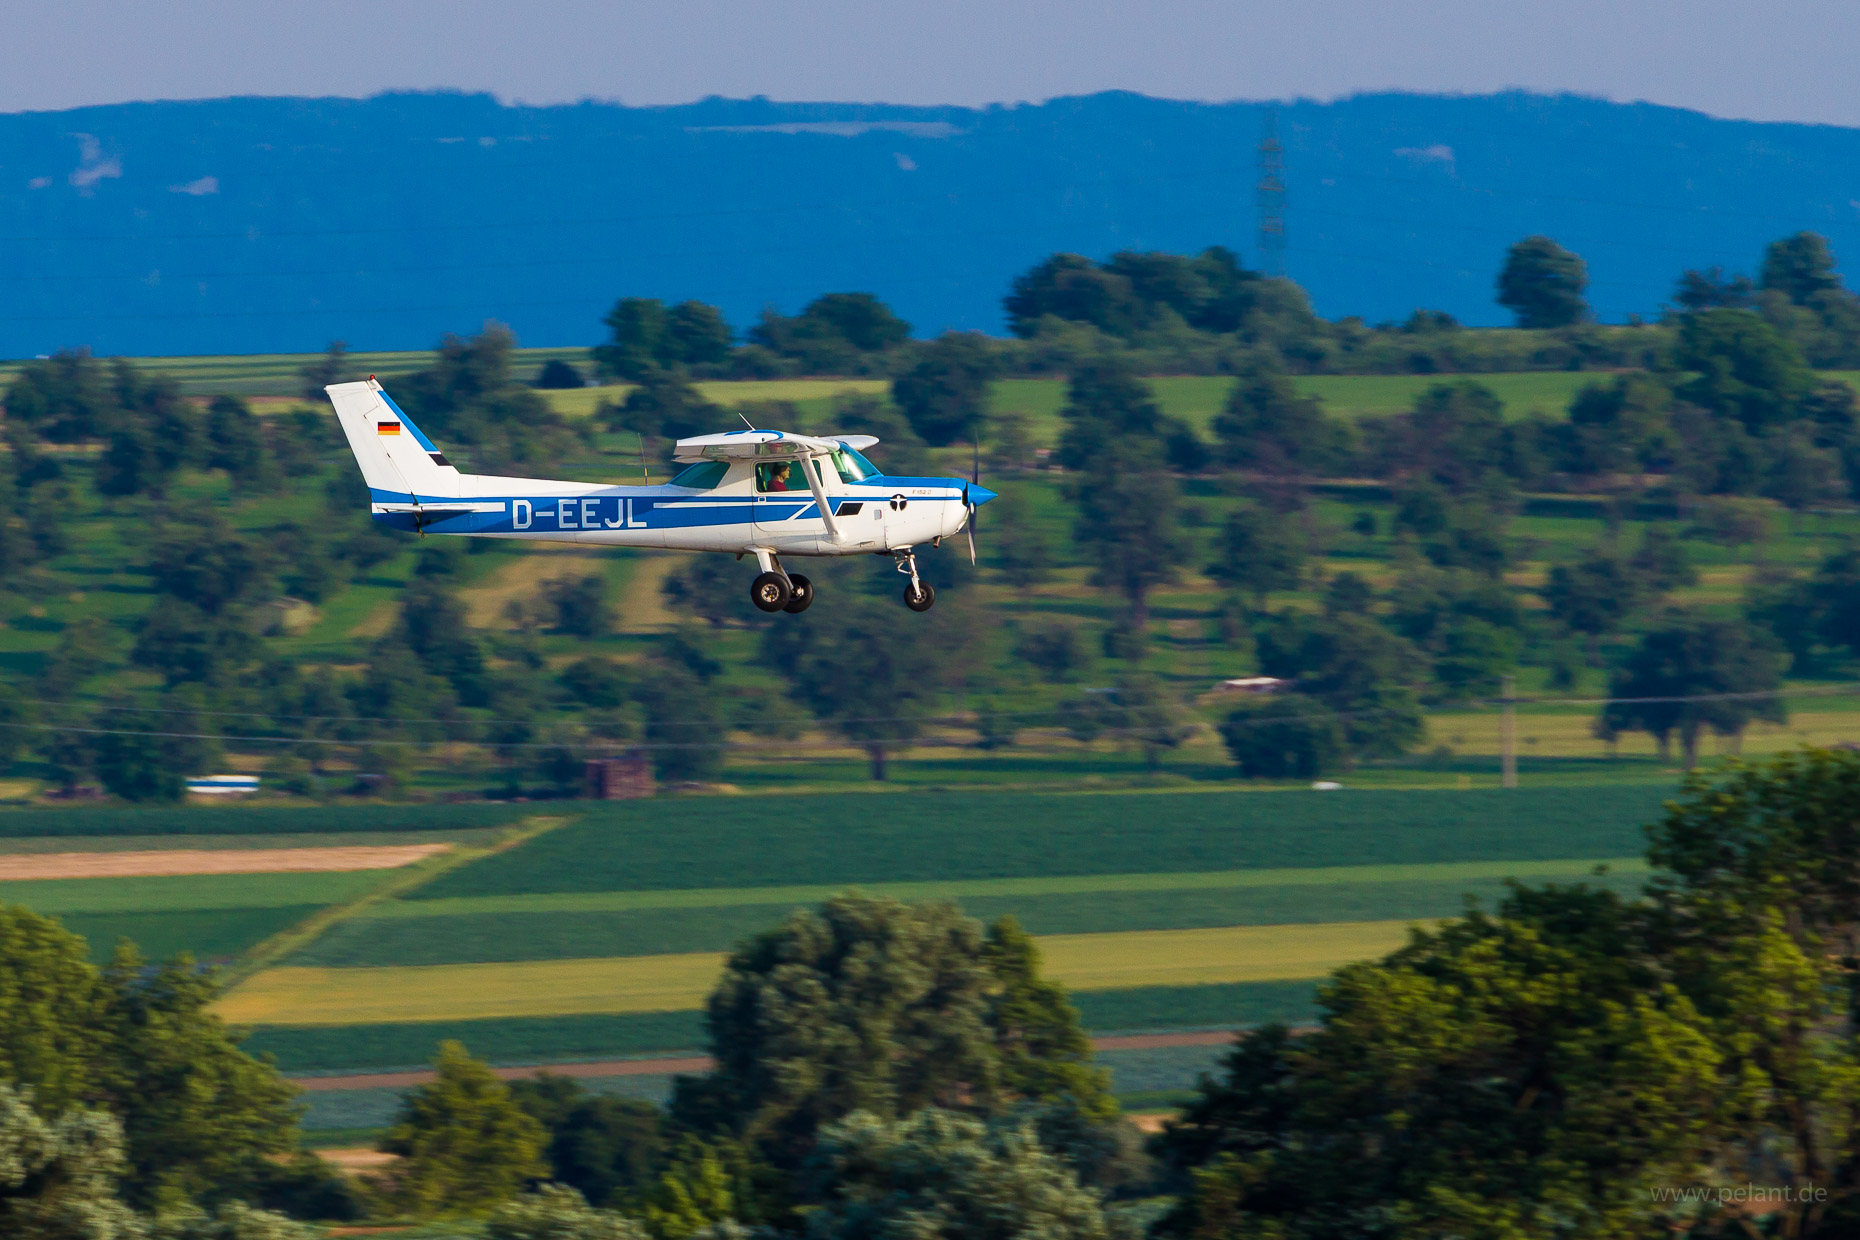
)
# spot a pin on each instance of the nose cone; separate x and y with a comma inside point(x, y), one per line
point(979, 495)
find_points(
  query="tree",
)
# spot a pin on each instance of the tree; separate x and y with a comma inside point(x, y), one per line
point(234, 441)
point(944, 396)
point(1619, 426)
point(1150, 717)
point(1454, 437)
point(860, 319)
point(1594, 596)
point(1746, 369)
point(862, 1005)
point(196, 1114)
point(58, 1176)
point(1542, 284)
point(470, 401)
point(1799, 266)
point(200, 1117)
point(707, 587)
point(1520, 1074)
point(1126, 500)
point(664, 406)
point(558, 375)
point(1474, 658)
point(138, 756)
point(580, 605)
point(1258, 553)
point(1267, 426)
point(1284, 736)
point(1357, 668)
point(465, 1145)
point(939, 1176)
point(1070, 286)
point(1711, 289)
point(685, 728)
point(1044, 1052)
point(555, 1212)
point(51, 1010)
point(1052, 649)
point(607, 1149)
point(696, 334)
point(637, 342)
point(873, 680)
point(1777, 835)
point(1711, 662)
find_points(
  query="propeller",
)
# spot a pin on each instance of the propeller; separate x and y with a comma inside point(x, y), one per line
point(975, 479)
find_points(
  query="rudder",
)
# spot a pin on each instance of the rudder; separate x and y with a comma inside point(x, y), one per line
point(394, 455)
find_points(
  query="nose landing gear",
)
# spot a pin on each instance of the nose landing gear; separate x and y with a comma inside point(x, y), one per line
point(918, 596)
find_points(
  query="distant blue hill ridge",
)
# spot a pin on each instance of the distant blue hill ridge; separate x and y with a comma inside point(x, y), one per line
point(261, 225)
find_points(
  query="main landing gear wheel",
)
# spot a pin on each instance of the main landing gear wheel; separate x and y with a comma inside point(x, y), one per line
point(918, 596)
point(800, 594)
point(769, 592)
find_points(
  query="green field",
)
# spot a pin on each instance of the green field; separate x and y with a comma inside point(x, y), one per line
point(516, 1040)
point(931, 836)
point(551, 927)
point(251, 820)
point(213, 917)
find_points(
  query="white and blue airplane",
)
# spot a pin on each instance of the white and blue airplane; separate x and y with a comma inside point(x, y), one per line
point(749, 492)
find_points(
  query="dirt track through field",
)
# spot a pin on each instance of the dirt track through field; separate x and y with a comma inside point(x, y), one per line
point(178, 861)
point(700, 1063)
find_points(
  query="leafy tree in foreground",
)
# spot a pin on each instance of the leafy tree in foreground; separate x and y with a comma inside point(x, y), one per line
point(868, 1005)
point(1470, 1084)
point(939, 1176)
point(861, 1005)
point(198, 1116)
point(1542, 283)
point(465, 1145)
point(58, 1176)
point(554, 1212)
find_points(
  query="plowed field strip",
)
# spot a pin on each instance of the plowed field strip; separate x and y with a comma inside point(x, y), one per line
point(177, 861)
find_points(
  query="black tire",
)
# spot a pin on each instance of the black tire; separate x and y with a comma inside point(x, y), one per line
point(800, 594)
point(919, 597)
point(769, 592)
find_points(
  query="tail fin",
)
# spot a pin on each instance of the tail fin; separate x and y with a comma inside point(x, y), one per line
point(395, 457)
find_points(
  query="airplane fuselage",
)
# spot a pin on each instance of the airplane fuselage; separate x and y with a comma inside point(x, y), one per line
point(873, 515)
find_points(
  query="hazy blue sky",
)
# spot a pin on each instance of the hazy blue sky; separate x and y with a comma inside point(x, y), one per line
point(1782, 60)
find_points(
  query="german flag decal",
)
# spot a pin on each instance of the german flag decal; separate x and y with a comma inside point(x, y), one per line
point(388, 428)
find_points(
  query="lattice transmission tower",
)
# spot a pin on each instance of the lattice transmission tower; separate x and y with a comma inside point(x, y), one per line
point(1270, 196)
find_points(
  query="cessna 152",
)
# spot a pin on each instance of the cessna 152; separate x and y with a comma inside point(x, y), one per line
point(749, 492)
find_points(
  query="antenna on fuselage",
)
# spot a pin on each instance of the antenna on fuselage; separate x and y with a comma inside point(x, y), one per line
point(746, 421)
point(644, 469)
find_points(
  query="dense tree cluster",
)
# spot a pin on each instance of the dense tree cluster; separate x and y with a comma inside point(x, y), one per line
point(1552, 1067)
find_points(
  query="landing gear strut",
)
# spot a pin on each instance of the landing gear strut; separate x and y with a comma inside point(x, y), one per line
point(918, 596)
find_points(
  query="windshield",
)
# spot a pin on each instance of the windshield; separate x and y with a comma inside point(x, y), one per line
point(702, 476)
point(852, 466)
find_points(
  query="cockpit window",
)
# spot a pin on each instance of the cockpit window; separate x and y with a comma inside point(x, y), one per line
point(702, 476)
point(852, 466)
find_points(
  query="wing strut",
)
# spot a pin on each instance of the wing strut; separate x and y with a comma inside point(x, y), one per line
point(810, 465)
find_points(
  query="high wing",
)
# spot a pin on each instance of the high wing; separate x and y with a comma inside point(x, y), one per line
point(763, 446)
